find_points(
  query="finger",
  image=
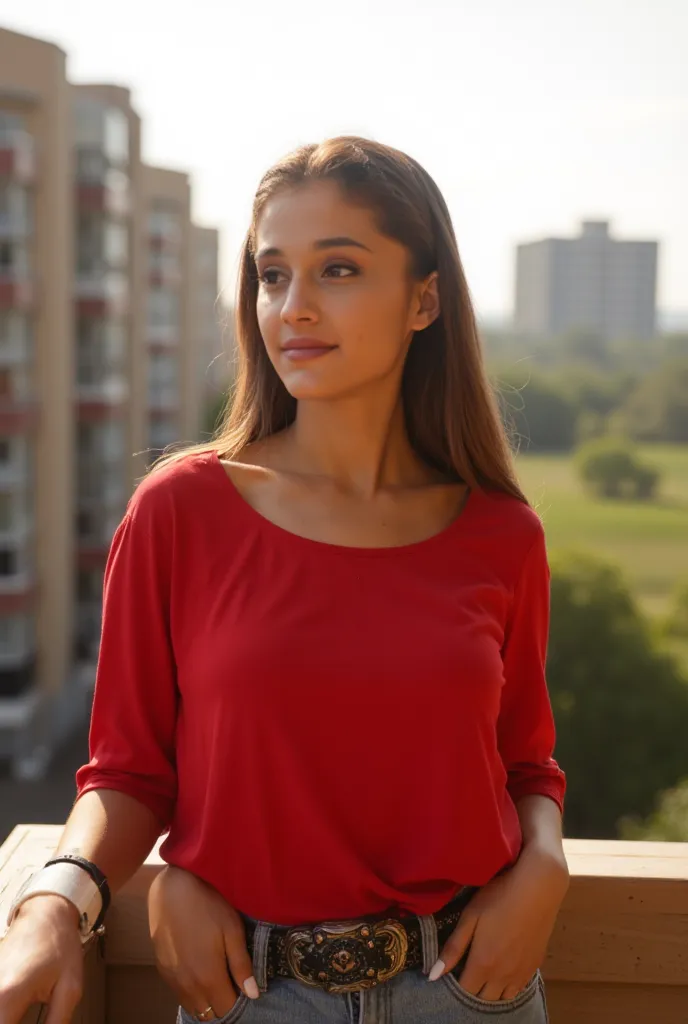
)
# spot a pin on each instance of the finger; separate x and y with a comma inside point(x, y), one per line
point(64, 999)
point(492, 991)
point(198, 992)
point(240, 965)
point(455, 946)
point(220, 994)
point(475, 975)
point(511, 991)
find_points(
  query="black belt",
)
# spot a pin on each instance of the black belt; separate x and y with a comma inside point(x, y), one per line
point(347, 956)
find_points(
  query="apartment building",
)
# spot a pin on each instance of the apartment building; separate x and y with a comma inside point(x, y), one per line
point(592, 283)
point(209, 318)
point(107, 322)
point(172, 394)
point(36, 375)
point(98, 365)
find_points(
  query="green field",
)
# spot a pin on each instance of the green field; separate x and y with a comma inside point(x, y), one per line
point(649, 540)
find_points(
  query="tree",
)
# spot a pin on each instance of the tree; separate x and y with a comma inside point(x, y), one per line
point(537, 411)
point(668, 823)
point(676, 623)
point(658, 408)
point(620, 704)
point(610, 468)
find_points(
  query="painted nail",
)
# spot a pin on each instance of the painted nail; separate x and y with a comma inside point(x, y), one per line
point(251, 988)
point(437, 971)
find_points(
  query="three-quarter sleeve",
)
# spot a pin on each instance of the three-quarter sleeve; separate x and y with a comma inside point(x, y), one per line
point(132, 737)
point(525, 729)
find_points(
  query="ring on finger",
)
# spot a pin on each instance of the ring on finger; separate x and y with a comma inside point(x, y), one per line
point(206, 1014)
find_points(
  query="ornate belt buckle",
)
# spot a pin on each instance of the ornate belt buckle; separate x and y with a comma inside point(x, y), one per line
point(346, 956)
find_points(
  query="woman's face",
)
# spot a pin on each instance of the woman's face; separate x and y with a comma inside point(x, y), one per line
point(336, 306)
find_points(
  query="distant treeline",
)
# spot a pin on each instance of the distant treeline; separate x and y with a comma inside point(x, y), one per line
point(557, 394)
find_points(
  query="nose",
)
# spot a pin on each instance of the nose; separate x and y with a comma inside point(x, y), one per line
point(299, 304)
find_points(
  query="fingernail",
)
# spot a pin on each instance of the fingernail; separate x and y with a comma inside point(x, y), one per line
point(251, 988)
point(437, 971)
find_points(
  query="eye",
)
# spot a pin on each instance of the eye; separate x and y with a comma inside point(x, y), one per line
point(335, 268)
point(270, 276)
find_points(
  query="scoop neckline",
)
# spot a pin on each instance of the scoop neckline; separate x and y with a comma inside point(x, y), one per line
point(395, 550)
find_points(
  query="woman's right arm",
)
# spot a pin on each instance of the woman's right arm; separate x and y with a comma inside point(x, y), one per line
point(41, 957)
point(127, 791)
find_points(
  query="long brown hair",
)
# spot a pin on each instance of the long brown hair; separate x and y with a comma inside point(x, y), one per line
point(451, 413)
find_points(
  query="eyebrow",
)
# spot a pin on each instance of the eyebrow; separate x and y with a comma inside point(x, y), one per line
point(322, 243)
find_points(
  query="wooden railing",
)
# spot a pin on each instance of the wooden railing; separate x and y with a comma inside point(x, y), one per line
point(619, 954)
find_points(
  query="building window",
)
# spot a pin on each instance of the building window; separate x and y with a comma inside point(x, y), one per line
point(84, 524)
point(9, 562)
point(14, 383)
point(9, 124)
point(6, 511)
point(116, 245)
point(14, 333)
point(89, 585)
point(116, 135)
point(163, 308)
point(164, 223)
point(17, 635)
point(14, 258)
point(163, 262)
point(15, 210)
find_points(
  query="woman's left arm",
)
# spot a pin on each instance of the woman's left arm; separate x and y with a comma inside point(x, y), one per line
point(508, 924)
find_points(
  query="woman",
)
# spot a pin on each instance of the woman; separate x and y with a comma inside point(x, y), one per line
point(322, 659)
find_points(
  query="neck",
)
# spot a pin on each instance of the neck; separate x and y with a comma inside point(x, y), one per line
point(360, 442)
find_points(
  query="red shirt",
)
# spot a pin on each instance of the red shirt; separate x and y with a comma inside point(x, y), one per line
point(325, 731)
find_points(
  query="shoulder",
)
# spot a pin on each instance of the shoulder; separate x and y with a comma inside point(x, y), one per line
point(511, 531)
point(184, 482)
point(510, 516)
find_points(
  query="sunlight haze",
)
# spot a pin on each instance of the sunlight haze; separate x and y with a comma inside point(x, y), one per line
point(531, 116)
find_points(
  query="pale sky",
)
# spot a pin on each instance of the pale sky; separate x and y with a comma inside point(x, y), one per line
point(530, 114)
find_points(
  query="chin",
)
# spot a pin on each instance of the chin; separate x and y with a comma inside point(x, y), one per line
point(305, 386)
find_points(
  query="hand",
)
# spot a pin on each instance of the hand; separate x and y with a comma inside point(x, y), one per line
point(42, 961)
point(196, 935)
point(507, 925)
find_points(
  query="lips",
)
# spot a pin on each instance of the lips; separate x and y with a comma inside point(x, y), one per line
point(299, 349)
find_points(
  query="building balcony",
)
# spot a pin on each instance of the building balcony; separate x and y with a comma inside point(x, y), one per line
point(166, 238)
point(111, 390)
point(92, 553)
point(17, 674)
point(164, 406)
point(617, 956)
point(162, 336)
point(99, 410)
point(99, 197)
point(19, 584)
point(18, 417)
point(17, 156)
point(165, 277)
point(101, 295)
point(15, 227)
point(16, 290)
point(14, 474)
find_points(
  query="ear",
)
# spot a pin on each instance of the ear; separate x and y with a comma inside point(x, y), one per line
point(427, 304)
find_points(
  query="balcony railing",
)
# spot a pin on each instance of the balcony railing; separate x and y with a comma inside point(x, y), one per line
point(619, 954)
point(111, 388)
point(17, 155)
point(16, 289)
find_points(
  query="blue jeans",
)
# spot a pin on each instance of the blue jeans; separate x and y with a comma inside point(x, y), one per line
point(408, 998)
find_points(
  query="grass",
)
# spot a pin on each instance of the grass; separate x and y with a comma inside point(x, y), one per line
point(649, 539)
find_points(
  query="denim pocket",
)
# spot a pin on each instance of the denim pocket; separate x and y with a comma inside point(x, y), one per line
point(499, 1006)
point(235, 1014)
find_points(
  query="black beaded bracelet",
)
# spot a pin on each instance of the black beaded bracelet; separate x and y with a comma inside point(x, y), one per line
point(96, 874)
